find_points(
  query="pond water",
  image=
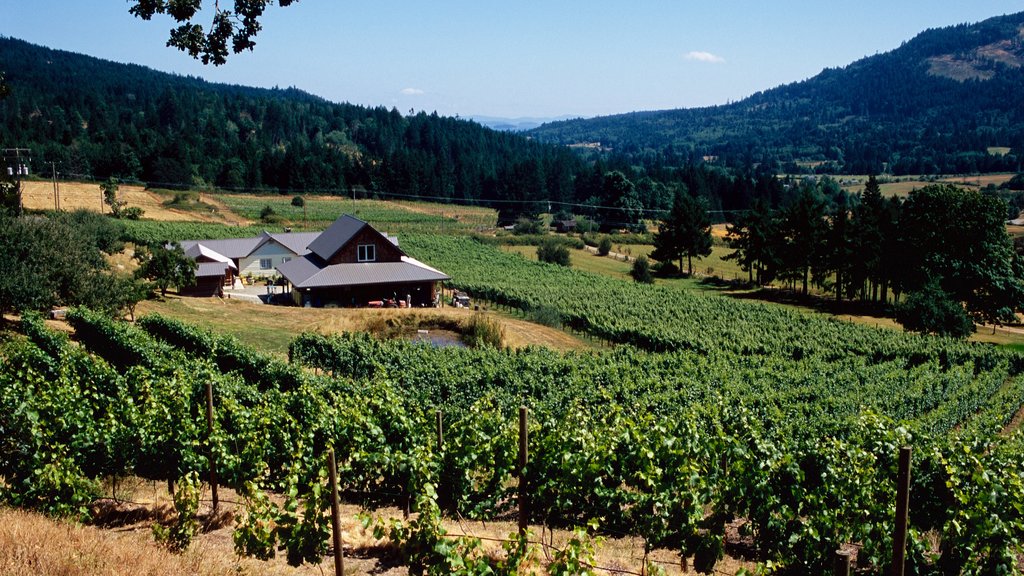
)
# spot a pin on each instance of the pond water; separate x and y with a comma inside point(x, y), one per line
point(439, 338)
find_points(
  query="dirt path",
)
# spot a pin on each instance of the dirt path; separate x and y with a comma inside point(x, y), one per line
point(1015, 423)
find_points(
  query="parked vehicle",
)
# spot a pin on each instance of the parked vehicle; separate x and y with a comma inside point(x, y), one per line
point(460, 299)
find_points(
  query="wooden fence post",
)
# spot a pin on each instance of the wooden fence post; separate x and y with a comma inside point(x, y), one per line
point(339, 552)
point(209, 441)
point(841, 564)
point(523, 499)
point(440, 430)
point(899, 541)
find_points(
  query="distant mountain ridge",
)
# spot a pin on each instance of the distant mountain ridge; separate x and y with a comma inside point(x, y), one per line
point(516, 124)
point(938, 103)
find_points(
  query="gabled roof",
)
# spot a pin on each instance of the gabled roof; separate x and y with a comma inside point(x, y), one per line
point(307, 272)
point(197, 251)
point(232, 248)
point(237, 248)
point(339, 234)
point(336, 236)
point(297, 242)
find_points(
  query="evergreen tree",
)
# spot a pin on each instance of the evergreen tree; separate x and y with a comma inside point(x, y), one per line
point(754, 238)
point(867, 242)
point(803, 228)
point(836, 258)
point(685, 232)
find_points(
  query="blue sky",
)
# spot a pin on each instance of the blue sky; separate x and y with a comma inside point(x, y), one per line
point(515, 59)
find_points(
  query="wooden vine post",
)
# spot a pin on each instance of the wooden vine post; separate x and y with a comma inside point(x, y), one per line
point(841, 566)
point(339, 552)
point(523, 499)
point(899, 541)
point(440, 430)
point(209, 441)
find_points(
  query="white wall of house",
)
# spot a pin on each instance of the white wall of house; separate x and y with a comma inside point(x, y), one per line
point(265, 260)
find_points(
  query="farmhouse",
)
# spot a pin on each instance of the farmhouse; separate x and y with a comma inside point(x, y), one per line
point(352, 264)
point(349, 264)
point(222, 262)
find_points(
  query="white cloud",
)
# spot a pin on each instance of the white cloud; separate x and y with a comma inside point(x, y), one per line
point(704, 57)
point(412, 91)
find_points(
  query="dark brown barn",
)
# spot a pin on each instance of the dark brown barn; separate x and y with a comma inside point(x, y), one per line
point(352, 264)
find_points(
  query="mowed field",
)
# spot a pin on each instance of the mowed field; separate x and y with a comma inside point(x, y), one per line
point(903, 185)
point(87, 196)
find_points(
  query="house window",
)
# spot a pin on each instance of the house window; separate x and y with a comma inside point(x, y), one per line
point(265, 264)
point(285, 259)
point(366, 253)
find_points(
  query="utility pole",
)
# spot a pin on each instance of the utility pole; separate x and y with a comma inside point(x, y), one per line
point(17, 162)
point(56, 187)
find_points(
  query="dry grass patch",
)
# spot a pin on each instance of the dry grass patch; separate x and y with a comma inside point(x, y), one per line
point(272, 328)
point(86, 196)
point(31, 544)
point(980, 180)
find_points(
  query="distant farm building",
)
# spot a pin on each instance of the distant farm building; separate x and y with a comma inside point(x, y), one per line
point(349, 264)
point(564, 226)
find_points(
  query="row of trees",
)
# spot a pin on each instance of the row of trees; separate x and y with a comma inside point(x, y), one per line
point(942, 241)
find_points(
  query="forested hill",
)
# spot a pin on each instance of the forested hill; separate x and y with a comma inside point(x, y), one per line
point(942, 102)
point(97, 118)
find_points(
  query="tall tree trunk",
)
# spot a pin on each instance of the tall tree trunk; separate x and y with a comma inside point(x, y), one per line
point(689, 264)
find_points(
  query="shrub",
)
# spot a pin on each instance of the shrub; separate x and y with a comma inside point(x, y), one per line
point(553, 252)
point(665, 269)
point(131, 213)
point(604, 247)
point(481, 330)
point(641, 271)
point(545, 316)
point(268, 215)
point(528, 226)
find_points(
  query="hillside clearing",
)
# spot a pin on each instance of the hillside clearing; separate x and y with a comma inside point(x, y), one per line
point(38, 195)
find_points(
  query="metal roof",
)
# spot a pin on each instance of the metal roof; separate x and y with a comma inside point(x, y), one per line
point(232, 248)
point(297, 242)
point(207, 269)
point(304, 273)
point(197, 251)
point(298, 270)
point(336, 236)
